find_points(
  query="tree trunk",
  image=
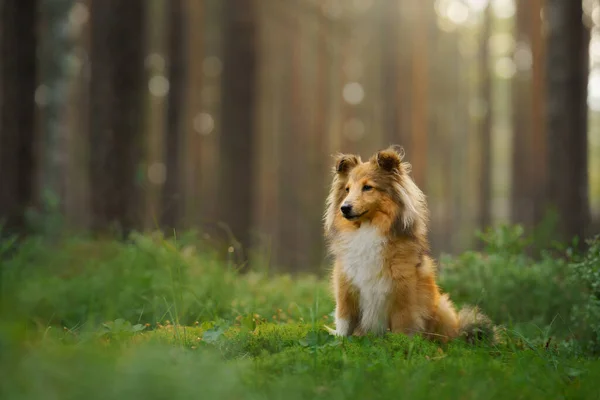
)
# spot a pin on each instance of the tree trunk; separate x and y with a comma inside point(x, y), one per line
point(18, 19)
point(117, 85)
point(420, 83)
point(238, 110)
point(566, 116)
point(538, 124)
point(172, 190)
point(395, 67)
point(76, 119)
point(191, 153)
point(52, 136)
point(529, 142)
point(485, 126)
point(155, 109)
point(522, 184)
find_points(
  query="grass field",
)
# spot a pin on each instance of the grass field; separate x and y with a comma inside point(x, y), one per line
point(154, 319)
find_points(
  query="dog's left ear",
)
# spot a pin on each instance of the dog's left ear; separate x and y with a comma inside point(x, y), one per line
point(390, 158)
point(345, 162)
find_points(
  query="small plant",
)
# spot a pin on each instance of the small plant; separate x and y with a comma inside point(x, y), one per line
point(120, 329)
point(585, 271)
point(505, 240)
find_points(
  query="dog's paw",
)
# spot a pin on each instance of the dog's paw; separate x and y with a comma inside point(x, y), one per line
point(331, 331)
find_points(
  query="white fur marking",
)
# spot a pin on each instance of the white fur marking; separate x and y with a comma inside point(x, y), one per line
point(410, 212)
point(342, 327)
point(360, 253)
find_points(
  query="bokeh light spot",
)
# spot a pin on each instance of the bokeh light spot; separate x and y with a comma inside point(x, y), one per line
point(505, 68)
point(523, 57)
point(457, 12)
point(353, 93)
point(501, 44)
point(504, 9)
point(204, 124)
point(477, 5)
point(41, 95)
point(158, 86)
point(155, 61)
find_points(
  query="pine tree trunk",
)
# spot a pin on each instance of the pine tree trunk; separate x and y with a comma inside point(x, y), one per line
point(522, 185)
point(485, 175)
point(238, 110)
point(566, 117)
point(18, 19)
point(172, 190)
point(52, 133)
point(117, 85)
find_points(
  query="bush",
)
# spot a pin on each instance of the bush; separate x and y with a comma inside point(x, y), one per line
point(512, 288)
point(585, 272)
point(146, 279)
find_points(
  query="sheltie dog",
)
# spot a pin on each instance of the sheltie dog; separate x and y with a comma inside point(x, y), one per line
point(383, 276)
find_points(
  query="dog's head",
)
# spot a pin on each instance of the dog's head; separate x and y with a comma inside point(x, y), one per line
point(379, 190)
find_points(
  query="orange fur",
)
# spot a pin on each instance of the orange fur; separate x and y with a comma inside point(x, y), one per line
point(383, 277)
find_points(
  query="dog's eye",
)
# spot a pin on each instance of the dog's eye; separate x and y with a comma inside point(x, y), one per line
point(347, 189)
point(366, 188)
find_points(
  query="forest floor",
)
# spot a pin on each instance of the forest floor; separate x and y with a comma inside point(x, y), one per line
point(150, 319)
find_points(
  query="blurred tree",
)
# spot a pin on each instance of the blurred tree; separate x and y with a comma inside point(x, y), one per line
point(522, 151)
point(485, 123)
point(528, 168)
point(538, 124)
point(395, 67)
point(292, 163)
point(270, 121)
point(566, 115)
point(238, 112)
point(75, 114)
point(116, 118)
point(192, 152)
point(55, 52)
point(423, 18)
point(18, 19)
point(171, 200)
point(155, 110)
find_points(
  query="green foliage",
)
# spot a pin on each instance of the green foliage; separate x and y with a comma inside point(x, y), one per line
point(585, 272)
point(555, 294)
point(155, 318)
point(512, 288)
point(147, 279)
point(48, 220)
point(120, 329)
point(288, 360)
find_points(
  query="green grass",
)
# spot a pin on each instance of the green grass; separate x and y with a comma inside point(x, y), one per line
point(155, 319)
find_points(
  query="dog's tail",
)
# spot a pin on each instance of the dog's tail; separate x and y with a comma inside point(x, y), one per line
point(475, 326)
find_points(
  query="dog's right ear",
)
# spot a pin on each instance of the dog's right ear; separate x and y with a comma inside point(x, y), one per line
point(345, 162)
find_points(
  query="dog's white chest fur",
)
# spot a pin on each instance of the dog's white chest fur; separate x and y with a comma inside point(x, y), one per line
point(361, 256)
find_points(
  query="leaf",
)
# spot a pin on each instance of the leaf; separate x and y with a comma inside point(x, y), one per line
point(248, 323)
point(319, 339)
point(573, 372)
point(212, 335)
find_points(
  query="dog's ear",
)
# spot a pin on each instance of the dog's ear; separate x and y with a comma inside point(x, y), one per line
point(345, 162)
point(390, 158)
point(398, 149)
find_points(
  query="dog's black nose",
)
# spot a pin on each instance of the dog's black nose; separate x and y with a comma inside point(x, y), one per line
point(346, 209)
